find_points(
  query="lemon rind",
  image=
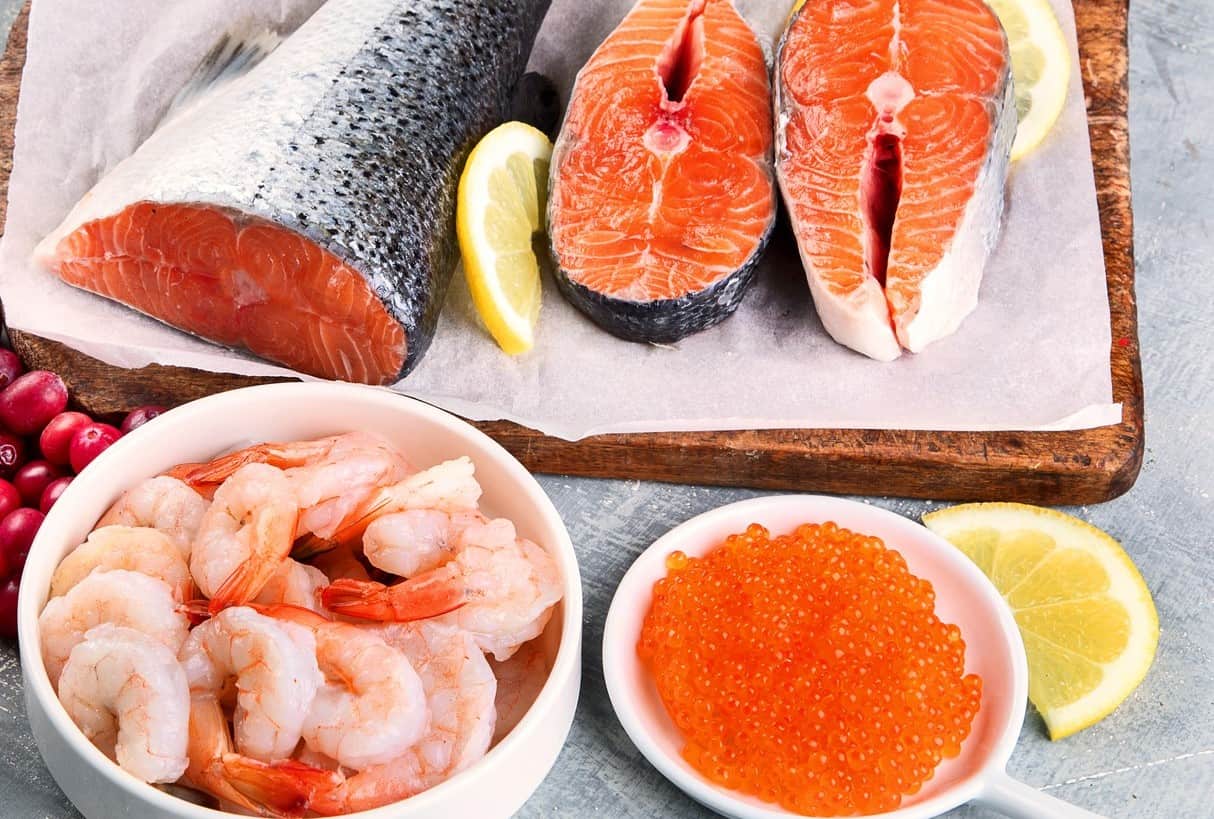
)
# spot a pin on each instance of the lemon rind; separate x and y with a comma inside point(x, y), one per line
point(512, 331)
point(1126, 585)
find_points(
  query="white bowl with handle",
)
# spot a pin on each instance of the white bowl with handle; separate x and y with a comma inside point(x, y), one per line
point(964, 596)
point(495, 786)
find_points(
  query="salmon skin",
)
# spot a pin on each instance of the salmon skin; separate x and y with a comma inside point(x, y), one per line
point(305, 210)
point(663, 189)
point(895, 123)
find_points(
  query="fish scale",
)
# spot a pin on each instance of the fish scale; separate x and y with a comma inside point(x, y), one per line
point(351, 135)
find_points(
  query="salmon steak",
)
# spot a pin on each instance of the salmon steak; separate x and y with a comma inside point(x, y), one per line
point(663, 190)
point(298, 199)
point(895, 123)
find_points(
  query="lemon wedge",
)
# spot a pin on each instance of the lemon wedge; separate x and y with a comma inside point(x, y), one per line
point(1041, 68)
point(1087, 618)
point(503, 194)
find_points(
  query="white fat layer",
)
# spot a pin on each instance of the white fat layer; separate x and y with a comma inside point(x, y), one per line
point(949, 293)
point(216, 150)
point(859, 320)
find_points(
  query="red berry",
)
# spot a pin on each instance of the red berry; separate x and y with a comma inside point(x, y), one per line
point(12, 454)
point(33, 478)
point(51, 494)
point(140, 416)
point(27, 404)
point(56, 439)
point(8, 608)
point(10, 499)
point(17, 532)
point(10, 367)
point(89, 442)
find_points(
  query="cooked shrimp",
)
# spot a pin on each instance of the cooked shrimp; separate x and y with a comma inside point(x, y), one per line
point(162, 503)
point(448, 487)
point(274, 666)
point(500, 588)
point(460, 690)
point(372, 706)
point(294, 584)
point(519, 681)
point(137, 549)
point(331, 476)
point(129, 696)
point(118, 596)
point(418, 540)
point(245, 535)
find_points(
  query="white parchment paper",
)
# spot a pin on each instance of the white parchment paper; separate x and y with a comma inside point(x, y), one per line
point(1034, 355)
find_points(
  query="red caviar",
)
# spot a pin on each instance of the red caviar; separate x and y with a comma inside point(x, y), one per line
point(809, 670)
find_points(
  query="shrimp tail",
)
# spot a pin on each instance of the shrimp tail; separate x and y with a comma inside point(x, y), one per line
point(360, 519)
point(243, 584)
point(427, 595)
point(283, 787)
point(309, 547)
point(293, 614)
point(197, 609)
point(186, 474)
point(284, 456)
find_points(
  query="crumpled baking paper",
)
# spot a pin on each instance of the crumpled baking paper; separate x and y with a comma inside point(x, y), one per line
point(1034, 355)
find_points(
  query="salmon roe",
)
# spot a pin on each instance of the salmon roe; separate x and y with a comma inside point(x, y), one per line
point(809, 670)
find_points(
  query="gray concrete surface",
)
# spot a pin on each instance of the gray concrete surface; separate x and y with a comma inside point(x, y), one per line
point(1155, 756)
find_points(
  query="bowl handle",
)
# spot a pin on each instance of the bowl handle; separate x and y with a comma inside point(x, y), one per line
point(1020, 801)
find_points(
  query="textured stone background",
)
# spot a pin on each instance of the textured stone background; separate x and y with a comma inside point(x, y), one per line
point(1155, 756)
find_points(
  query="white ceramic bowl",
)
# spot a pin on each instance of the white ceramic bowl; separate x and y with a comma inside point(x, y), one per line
point(499, 783)
point(963, 596)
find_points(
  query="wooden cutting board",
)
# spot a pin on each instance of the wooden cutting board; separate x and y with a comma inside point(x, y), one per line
point(1054, 468)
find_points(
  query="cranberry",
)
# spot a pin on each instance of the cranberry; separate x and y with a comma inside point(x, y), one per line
point(8, 608)
point(17, 532)
point(12, 454)
point(10, 499)
point(140, 416)
point(27, 404)
point(89, 442)
point(56, 439)
point(10, 367)
point(51, 494)
point(33, 478)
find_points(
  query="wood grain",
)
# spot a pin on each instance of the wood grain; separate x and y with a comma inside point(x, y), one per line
point(1077, 467)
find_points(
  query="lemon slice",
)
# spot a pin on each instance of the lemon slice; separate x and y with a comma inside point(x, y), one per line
point(1041, 67)
point(502, 198)
point(1087, 618)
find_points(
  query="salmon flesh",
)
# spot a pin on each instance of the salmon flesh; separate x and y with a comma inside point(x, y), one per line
point(895, 119)
point(305, 210)
point(663, 191)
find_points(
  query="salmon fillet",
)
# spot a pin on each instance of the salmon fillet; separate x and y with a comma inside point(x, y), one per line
point(662, 192)
point(895, 122)
point(298, 197)
point(240, 281)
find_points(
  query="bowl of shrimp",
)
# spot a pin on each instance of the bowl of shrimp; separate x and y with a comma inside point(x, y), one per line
point(301, 599)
